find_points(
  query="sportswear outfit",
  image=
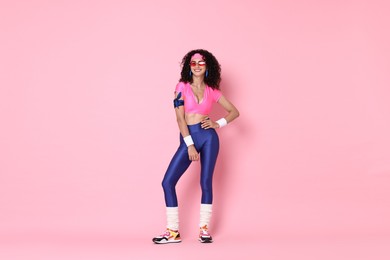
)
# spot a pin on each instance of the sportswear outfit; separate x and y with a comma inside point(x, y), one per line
point(206, 143)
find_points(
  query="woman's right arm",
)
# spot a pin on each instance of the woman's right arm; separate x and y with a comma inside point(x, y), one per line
point(193, 155)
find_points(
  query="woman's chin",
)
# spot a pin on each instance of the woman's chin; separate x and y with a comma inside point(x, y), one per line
point(198, 74)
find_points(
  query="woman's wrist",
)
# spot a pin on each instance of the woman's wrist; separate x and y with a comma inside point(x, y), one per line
point(221, 122)
point(188, 140)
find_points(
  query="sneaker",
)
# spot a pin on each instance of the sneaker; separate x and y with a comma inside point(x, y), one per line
point(170, 236)
point(204, 235)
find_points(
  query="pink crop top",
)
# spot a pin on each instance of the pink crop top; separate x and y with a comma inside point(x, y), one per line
point(191, 106)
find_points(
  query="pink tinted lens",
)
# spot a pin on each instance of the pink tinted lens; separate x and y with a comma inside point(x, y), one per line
point(200, 63)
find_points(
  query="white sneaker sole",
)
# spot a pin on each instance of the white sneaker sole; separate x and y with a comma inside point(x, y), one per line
point(167, 241)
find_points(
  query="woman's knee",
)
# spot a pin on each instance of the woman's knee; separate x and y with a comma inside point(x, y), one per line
point(167, 184)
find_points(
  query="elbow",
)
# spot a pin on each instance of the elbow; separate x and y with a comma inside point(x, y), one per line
point(233, 114)
point(237, 113)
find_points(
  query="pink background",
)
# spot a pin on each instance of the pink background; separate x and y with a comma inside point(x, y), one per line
point(88, 129)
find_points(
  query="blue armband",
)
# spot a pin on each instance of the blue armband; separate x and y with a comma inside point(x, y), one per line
point(177, 101)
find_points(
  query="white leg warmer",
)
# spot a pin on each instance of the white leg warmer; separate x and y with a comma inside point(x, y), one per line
point(205, 214)
point(173, 218)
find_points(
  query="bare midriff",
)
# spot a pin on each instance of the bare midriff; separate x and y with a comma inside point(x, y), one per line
point(192, 119)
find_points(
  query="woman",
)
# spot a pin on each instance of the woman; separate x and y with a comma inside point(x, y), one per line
point(195, 93)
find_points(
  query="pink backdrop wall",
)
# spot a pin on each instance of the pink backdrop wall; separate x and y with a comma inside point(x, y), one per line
point(87, 125)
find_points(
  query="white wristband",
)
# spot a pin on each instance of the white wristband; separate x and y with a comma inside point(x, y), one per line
point(188, 140)
point(221, 122)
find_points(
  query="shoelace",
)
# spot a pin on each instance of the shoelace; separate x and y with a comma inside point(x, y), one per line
point(204, 232)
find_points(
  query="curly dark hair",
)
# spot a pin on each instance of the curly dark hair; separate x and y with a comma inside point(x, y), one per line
point(214, 68)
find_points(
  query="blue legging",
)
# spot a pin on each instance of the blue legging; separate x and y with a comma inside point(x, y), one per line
point(207, 144)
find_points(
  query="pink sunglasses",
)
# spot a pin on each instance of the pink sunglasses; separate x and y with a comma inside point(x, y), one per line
point(201, 63)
